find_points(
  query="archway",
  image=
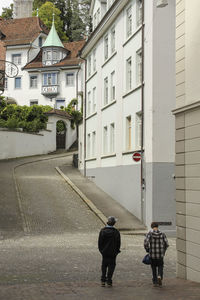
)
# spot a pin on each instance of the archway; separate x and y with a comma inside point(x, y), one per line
point(60, 135)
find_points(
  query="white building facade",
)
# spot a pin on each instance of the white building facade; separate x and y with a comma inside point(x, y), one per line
point(128, 100)
point(187, 115)
point(54, 80)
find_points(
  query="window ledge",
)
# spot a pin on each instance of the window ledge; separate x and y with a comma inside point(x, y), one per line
point(109, 58)
point(109, 104)
point(130, 152)
point(108, 155)
point(91, 76)
point(92, 115)
point(132, 35)
point(132, 91)
point(91, 159)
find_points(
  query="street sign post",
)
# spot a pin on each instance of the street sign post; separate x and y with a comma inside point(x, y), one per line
point(136, 156)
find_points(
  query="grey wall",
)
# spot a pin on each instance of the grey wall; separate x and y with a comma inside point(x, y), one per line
point(122, 183)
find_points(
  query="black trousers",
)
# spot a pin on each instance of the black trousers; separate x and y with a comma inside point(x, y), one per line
point(157, 269)
point(107, 268)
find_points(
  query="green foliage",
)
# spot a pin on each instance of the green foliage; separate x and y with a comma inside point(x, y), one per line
point(46, 15)
point(76, 114)
point(60, 126)
point(7, 12)
point(31, 119)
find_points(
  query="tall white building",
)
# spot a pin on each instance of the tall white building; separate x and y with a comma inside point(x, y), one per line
point(22, 8)
point(129, 95)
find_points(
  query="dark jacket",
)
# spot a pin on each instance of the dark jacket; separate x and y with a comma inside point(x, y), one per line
point(156, 244)
point(109, 242)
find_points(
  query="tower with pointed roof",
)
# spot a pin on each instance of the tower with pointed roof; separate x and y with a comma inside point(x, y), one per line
point(53, 50)
point(22, 8)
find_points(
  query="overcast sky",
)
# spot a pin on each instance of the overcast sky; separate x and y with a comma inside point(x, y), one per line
point(5, 3)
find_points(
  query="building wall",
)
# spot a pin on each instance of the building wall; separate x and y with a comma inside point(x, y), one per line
point(187, 140)
point(25, 94)
point(19, 144)
point(117, 173)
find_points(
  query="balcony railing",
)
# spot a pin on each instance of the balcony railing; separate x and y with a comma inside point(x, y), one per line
point(50, 90)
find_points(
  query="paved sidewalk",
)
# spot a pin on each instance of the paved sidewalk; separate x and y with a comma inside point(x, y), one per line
point(102, 201)
point(175, 289)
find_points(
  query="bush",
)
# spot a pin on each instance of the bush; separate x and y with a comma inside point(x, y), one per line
point(31, 119)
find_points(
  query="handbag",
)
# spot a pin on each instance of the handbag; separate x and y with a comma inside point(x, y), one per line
point(147, 259)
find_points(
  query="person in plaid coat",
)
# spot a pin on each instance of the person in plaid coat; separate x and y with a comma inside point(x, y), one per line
point(156, 244)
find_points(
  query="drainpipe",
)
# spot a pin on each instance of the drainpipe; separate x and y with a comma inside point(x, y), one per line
point(84, 118)
point(142, 116)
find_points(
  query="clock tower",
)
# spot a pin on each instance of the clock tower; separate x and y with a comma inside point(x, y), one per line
point(22, 8)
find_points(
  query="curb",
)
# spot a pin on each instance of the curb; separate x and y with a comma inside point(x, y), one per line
point(89, 203)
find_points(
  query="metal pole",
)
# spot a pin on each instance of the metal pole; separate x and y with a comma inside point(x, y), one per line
point(142, 121)
point(84, 118)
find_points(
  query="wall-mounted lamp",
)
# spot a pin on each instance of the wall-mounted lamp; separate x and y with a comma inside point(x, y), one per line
point(162, 3)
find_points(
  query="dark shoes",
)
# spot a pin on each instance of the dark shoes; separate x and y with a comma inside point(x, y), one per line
point(103, 284)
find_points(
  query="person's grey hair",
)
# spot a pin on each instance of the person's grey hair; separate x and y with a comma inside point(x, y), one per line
point(111, 221)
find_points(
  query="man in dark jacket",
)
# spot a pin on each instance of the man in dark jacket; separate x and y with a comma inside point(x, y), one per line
point(156, 244)
point(109, 246)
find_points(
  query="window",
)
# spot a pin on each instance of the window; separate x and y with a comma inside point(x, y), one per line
point(106, 91)
point(112, 86)
point(113, 40)
point(94, 99)
point(129, 74)
point(16, 59)
point(129, 21)
point(60, 103)
point(33, 81)
point(33, 102)
point(139, 67)
point(55, 55)
point(94, 60)
point(6, 83)
point(94, 144)
point(106, 47)
point(89, 103)
point(88, 145)
point(89, 66)
point(128, 133)
point(49, 55)
point(138, 126)
point(139, 12)
point(70, 79)
point(17, 82)
point(112, 138)
point(105, 140)
point(49, 78)
point(40, 42)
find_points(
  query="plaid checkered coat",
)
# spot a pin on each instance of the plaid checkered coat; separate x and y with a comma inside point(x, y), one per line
point(156, 244)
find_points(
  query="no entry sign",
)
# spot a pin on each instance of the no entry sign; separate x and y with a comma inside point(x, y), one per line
point(136, 156)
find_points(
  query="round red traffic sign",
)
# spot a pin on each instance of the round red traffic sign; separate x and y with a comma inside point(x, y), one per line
point(136, 156)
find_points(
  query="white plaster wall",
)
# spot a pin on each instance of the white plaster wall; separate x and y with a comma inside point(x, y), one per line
point(19, 144)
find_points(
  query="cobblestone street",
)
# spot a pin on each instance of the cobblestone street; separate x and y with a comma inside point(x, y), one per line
point(57, 256)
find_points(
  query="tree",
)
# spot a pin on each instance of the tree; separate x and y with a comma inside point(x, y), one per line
point(77, 25)
point(87, 20)
point(7, 12)
point(46, 15)
point(38, 3)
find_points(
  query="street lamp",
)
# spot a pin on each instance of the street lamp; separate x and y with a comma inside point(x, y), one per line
point(162, 3)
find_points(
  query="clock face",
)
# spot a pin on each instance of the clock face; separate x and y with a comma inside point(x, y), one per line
point(11, 70)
